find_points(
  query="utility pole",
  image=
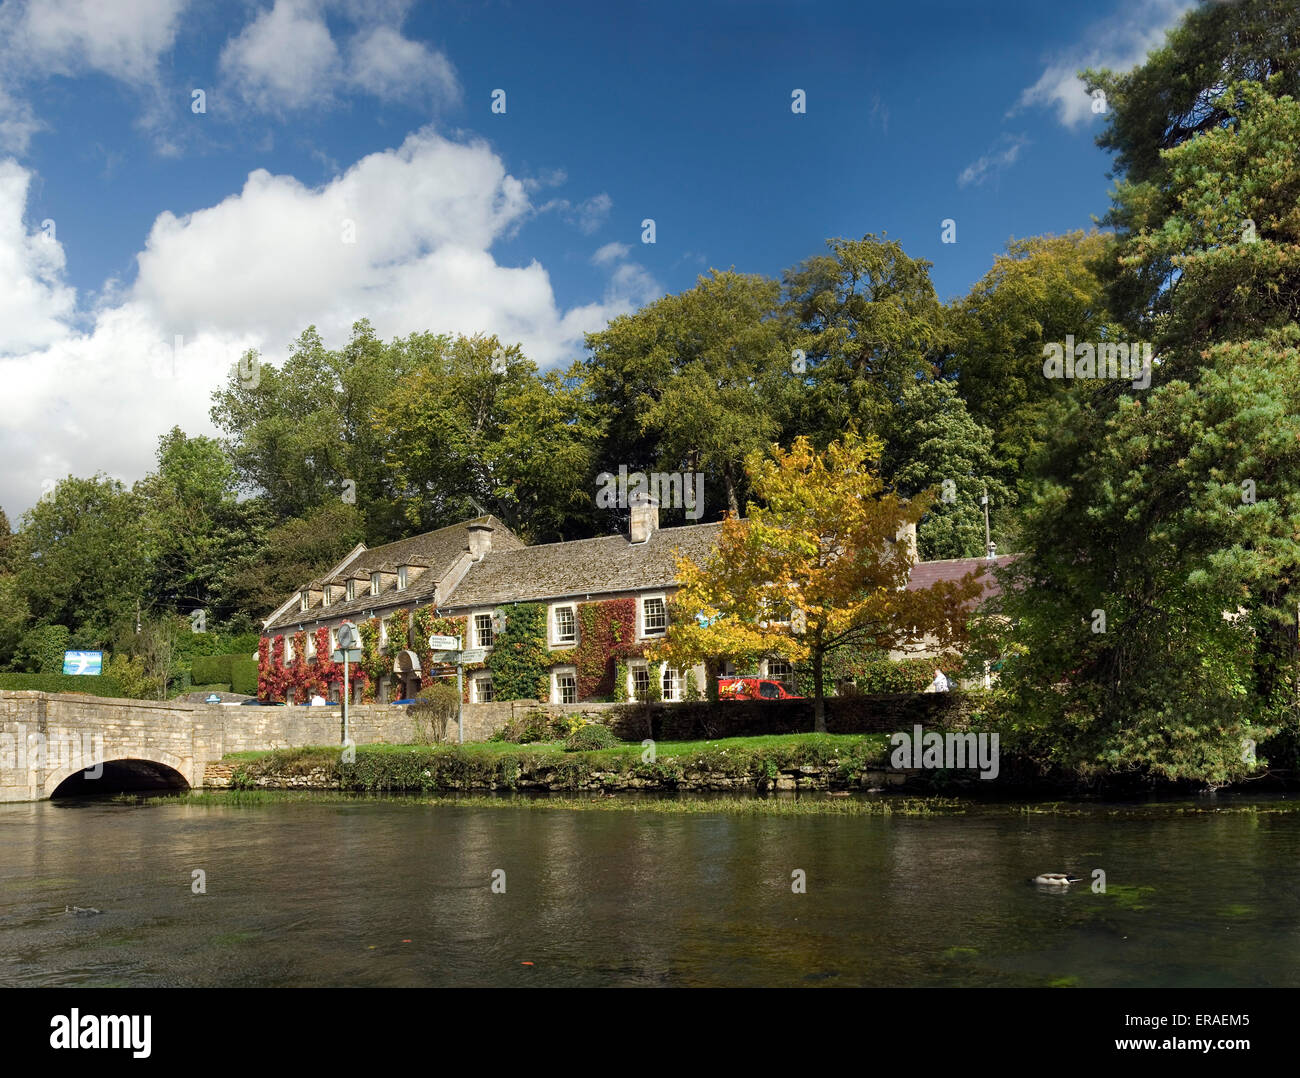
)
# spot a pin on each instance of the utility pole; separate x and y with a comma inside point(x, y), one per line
point(988, 542)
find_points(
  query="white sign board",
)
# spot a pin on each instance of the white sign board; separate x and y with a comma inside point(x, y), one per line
point(444, 643)
point(353, 656)
point(473, 655)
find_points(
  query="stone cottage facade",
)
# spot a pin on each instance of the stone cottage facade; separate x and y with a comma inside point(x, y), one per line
point(594, 605)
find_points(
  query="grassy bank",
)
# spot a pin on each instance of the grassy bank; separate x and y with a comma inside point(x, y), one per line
point(750, 762)
point(809, 804)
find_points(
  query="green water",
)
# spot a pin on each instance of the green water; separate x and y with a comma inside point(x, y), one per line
point(393, 892)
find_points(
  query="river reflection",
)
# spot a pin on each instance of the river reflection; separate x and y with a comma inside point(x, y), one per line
point(393, 892)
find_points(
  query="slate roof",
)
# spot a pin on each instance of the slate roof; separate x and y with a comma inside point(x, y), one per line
point(926, 573)
point(582, 567)
point(439, 550)
point(514, 572)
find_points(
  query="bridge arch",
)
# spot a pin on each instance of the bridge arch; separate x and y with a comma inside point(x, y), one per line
point(155, 769)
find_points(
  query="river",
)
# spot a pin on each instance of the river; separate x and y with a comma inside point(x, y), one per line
point(396, 892)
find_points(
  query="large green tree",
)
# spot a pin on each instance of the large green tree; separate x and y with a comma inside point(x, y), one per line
point(80, 557)
point(1159, 597)
point(692, 381)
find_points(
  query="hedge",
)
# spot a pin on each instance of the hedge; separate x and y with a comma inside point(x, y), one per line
point(239, 671)
point(243, 675)
point(94, 684)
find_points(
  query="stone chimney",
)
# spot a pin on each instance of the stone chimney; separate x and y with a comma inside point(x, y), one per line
point(643, 518)
point(907, 534)
point(480, 540)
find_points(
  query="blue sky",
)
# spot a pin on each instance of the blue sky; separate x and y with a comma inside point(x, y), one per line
point(226, 227)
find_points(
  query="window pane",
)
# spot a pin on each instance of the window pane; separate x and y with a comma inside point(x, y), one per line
point(484, 693)
point(568, 689)
point(565, 626)
point(640, 682)
point(483, 630)
point(655, 616)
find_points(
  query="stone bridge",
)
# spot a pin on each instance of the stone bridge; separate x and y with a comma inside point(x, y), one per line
point(57, 742)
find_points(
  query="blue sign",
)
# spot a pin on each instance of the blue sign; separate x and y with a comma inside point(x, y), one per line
point(83, 662)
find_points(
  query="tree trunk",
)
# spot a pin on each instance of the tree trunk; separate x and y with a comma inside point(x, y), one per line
point(711, 668)
point(819, 701)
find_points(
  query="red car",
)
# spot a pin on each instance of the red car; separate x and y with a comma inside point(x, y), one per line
point(753, 688)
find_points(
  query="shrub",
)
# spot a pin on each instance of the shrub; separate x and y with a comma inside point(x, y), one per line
point(243, 675)
point(589, 738)
point(886, 676)
point(95, 685)
point(535, 725)
point(434, 708)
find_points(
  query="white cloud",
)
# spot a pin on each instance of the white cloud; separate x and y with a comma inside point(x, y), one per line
point(587, 216)
point(34, 303)
point(123, 39)
point(993, 162)
point(611, 252)
point(389, 66)
point(1119, 42)
point(254, 270)
point(284, 59)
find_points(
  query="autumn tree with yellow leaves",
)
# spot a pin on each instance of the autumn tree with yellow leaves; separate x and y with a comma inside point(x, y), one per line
point(814, 567)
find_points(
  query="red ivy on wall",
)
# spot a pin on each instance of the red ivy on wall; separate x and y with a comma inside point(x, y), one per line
point(606, 635)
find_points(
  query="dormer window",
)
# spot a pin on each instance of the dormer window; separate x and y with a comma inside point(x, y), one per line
point(304, 600)
point(351, 590)
point(374, 583)
point(401, 578)
point(325, 596)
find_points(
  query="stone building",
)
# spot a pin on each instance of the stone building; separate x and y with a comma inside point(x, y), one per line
point(466, 579)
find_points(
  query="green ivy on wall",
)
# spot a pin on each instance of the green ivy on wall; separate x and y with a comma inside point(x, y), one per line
point(519, 661)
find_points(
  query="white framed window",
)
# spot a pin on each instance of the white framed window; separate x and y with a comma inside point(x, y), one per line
point(311, 645)
point(672, 683)
point(483, 635)
point(288, 647)
point(564, 685)
point(351, 590)
point(334, 641)
point(482, 689)
point(564, 624)
point(654, 615)
point(638, 675)
point(401, 578)
point(325, 595)
point(780, 670)
point(374, 583)
point(304, 600)
point(383, 632)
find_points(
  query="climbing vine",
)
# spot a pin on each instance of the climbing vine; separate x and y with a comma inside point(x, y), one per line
point(606, 634)
point(520, 662)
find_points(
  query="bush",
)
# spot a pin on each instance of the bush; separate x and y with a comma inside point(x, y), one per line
point(243, 675)
point(886, 676)
point(211, 670)
point(96, 685)
point(589, 738)
point(534, 726)
point(434, 708)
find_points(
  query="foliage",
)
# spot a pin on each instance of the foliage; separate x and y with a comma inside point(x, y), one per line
point(95, 685)
point(589, 738)
point(520, 661)
point(690, 380)
point(606, 636)
point(818, 556)
point(434, 708)
point(891, 676)
point(133, 682)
